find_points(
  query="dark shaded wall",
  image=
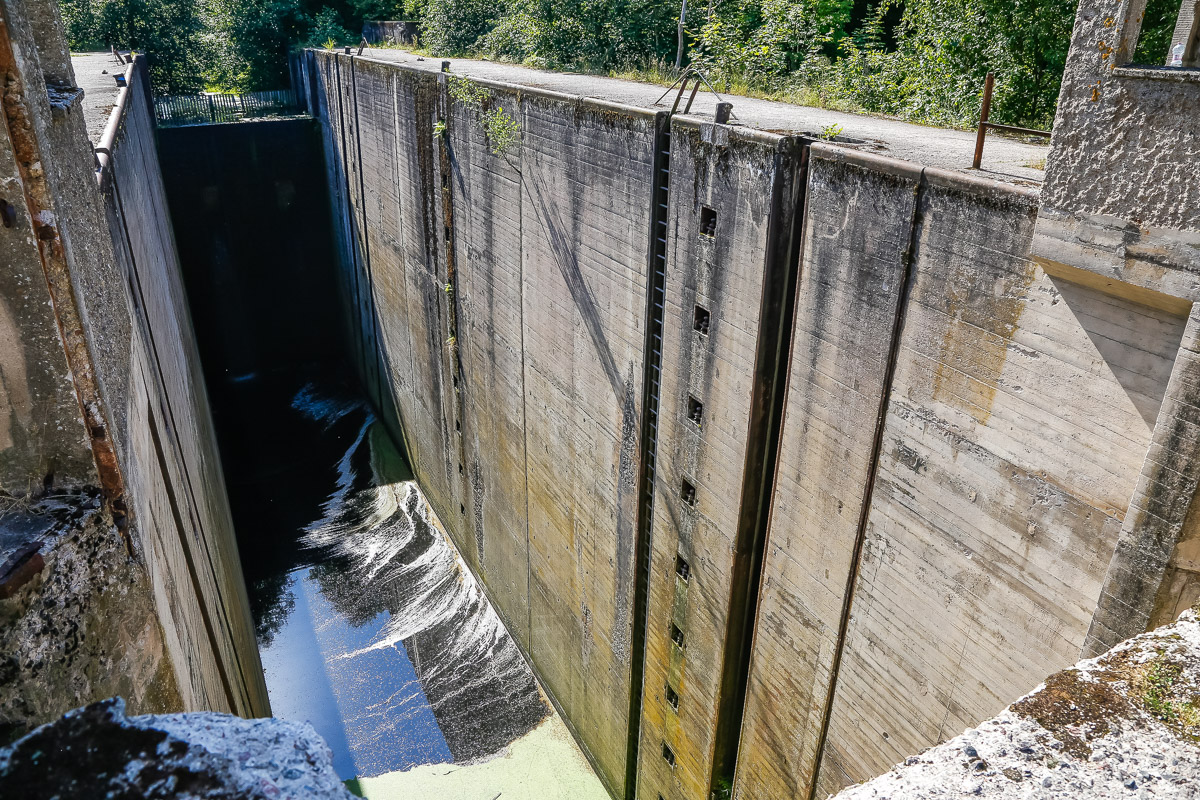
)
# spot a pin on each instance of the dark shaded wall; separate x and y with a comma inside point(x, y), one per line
point(250, 210)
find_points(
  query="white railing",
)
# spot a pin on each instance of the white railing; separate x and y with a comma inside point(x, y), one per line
point(202, 109)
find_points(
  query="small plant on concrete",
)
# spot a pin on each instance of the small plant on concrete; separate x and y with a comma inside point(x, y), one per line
point(1156, 685)
point(502, 131)
point(330, 43)
point(831, 132)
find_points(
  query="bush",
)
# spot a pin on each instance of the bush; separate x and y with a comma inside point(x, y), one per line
point(452, 27)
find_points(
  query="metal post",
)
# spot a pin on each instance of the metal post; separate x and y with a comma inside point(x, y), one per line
point(445, 66)
point(723, 112)
point(679, 31)
point(983, 118)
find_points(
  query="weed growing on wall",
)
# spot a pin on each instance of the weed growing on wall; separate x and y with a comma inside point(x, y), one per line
point(502, 131)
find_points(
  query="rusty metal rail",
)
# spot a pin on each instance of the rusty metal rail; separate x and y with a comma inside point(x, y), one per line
point(985, 125)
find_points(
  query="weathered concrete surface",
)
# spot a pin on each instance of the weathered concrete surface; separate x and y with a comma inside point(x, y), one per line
point(1118, 726)
point(98, 751)
point(973, 445)
point(84, 626)
point(1125, 142)
point(1014, 459)
point(168, 445)
point(139, 415)
point(1121, 213)
point(849, 288)
point(585, 234)
point(43, 439)
point(459, 311)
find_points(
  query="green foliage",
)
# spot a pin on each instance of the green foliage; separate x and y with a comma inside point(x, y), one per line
point(595, 35)
point(922, 60)
point(327, 26)
point(1157, 27)
point(502, 131)
point(227, 45)
point(171, 31)
point(451, 27)
point(831, 132)
point(764, 42)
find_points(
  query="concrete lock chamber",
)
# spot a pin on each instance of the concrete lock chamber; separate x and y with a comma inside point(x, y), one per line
point(615, 451)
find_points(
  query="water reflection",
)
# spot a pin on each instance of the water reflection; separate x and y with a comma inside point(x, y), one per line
point(373, 629)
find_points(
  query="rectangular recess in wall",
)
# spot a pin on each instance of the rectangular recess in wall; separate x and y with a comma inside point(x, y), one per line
point(708, 222)
point(682, 568)
point(677, 635)
point(695, 410)
point(668, 755)
point(687, 493)
point(700, 320)
point(672, 697)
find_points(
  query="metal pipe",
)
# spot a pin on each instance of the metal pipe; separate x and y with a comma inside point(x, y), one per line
point(691, 97)
point(983, 118)
point(993, 126)
point(678, 97)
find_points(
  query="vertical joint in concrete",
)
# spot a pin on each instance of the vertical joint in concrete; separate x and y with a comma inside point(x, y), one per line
point(771, 364)
point(651, 383)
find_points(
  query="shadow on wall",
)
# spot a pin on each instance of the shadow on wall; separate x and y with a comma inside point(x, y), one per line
point(1137, 343)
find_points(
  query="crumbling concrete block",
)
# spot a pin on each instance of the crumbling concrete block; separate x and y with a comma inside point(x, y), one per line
point(97, 751)
point(1121, 725)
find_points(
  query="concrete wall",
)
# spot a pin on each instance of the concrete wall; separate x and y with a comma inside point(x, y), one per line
point(499, 302)
point(850, 285)
point(916, 527)
point(918, 573)
point(43, 436)
point(730, 273)
point(1119, 213)
point(109, 269)
point(172, 469)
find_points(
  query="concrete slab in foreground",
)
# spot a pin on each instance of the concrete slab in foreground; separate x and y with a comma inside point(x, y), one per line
point(1125, 725)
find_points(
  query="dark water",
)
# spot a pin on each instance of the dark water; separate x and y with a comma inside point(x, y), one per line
point(369, 625)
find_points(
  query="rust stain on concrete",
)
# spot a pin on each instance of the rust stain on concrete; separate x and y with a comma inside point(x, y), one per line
point(969, 364)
